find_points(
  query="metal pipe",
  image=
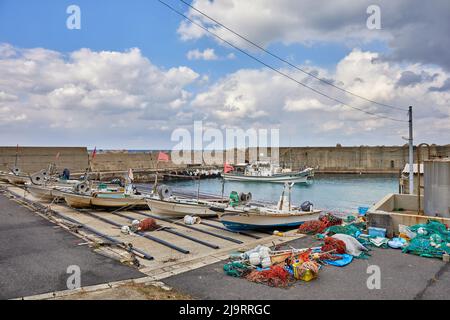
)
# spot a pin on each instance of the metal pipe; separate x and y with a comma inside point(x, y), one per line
point(418, 172)
point(160, 241)
point(214, 246)
point(411, 153)
point(225, 229)
point(189, 227)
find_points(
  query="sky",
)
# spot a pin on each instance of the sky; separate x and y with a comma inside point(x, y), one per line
point(136, 71)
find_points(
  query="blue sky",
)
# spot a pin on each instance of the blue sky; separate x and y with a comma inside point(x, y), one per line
point(119, 25)
point(330, 38)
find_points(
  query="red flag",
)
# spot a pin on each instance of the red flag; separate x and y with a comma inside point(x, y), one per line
point(163, 156)
point(94, 153)
point(227, 168)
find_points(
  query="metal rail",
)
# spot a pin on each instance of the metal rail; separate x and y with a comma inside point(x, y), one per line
point(214, 246)
point(225, 229)
point(160, 241)
point(188, 227)
point(82, 225)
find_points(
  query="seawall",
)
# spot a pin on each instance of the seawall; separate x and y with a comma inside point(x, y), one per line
point(363, 159)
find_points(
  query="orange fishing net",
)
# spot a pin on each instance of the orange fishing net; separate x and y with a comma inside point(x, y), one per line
point(332, 244)
point(276, 276)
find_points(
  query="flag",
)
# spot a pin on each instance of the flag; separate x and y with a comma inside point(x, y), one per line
point(227, 168)
point(163, 157)
point(130, 174)
point(94, 153)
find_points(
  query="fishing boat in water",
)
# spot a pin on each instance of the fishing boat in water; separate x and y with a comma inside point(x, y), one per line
point(263, 171)
point(166, 204)
point(237, 216)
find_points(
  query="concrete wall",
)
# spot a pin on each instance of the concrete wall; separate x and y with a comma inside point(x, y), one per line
point(338, 159)
point(33, 159)
point(355, 159)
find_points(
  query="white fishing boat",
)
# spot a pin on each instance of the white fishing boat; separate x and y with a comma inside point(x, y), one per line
point(283, 215)
point(262, 171)
point(4, 176)
point(18, 179)
point(46, 192)
point(105, 200)
point(165, 204)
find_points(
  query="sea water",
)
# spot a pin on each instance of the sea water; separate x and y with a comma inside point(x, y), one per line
point(338, 193)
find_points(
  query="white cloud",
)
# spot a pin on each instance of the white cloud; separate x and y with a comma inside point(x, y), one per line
point(303, 105)
point(407, 25)
point(207, 54)
point(86, 93)
point(121, 99)
point(261, 98)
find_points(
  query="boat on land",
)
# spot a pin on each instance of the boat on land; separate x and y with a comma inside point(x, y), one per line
point(164, 203)
point(106, 200)
point(242, 216)
point(54, 190)
point(3, 176)
point(47, 193)
point(18, 179)
point(263, 171)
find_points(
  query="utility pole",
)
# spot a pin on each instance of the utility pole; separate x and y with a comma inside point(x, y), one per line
point(411, 154)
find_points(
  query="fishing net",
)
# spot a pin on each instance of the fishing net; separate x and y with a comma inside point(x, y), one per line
point(318, 226)
point(148, 224)
point(236, 269)
point(432, 240)
point(333, 245)
point(350, 230)
point(276, 276)
point(311, 227)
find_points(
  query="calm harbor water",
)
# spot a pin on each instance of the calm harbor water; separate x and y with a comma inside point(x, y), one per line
point(340, 193)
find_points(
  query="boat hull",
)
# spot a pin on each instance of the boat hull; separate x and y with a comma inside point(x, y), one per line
point(297, 177)
point(45, 193)
point(255, 221)
point(81, 201)
point(175, 209)
point(13, 179)
point(4, 177)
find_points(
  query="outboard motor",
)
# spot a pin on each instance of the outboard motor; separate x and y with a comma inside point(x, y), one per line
point(65, 174)
point(306, 206)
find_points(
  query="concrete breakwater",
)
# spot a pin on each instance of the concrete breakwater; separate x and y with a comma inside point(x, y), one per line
point(339, 159)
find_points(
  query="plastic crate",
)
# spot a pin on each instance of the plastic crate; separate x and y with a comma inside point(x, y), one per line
point(377, 232)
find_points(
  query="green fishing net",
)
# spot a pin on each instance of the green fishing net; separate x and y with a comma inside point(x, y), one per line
point(235, 269)
point(350, 230)
point(432, 240)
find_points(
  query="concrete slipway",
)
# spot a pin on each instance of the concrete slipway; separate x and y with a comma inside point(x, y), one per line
point(35, 252)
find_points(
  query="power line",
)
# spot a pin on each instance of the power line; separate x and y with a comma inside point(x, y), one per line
point(288, 63)
point(276, 70)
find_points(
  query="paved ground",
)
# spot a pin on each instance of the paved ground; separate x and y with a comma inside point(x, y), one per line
point(403, 276)
point(35, 254)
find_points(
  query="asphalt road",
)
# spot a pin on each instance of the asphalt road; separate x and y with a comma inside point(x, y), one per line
point(403, 276)
point(35, 255)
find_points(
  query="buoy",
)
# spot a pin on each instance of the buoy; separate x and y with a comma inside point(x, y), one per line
point(189, 220)
point(254, 258)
